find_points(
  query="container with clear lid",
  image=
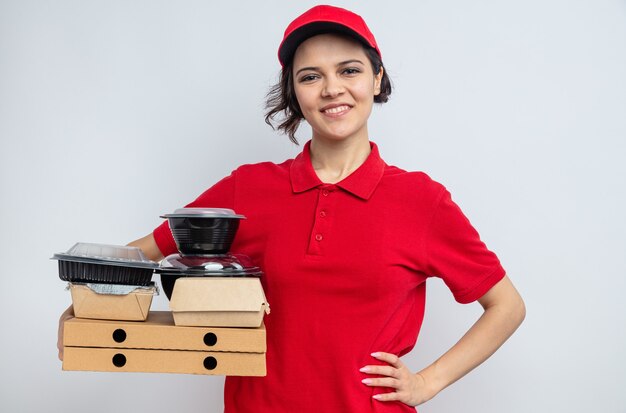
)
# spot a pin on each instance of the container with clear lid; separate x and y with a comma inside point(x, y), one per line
point(108, 264)
point(203, 231)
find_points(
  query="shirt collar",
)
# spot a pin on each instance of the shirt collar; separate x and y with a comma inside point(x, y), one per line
point(361, 182)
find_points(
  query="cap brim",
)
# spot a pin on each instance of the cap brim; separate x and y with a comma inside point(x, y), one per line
point(290, 44)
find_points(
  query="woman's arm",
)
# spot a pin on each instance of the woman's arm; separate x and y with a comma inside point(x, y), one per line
point(504, 312)
point(149, 247)
point(150, 250)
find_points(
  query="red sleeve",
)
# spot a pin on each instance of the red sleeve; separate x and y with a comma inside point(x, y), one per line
point(456, 253)
point(220, 195)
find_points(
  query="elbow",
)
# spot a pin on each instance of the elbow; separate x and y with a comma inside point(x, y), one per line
point(505, 300)
point(520, 311)
point(516, 311)
point(514, 303)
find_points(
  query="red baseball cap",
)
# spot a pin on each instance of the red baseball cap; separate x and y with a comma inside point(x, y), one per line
point(324, 19)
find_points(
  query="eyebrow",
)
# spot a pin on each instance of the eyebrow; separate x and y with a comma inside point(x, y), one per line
point(345, 62)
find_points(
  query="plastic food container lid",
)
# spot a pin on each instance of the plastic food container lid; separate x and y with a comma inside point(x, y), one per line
point(203, 213)
point(106, 254)
point(223, 265)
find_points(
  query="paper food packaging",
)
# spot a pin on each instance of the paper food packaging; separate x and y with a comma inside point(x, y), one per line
point(158, 346)
point(219, 302)
point(112, 302)
point(158, 332)
point(164, 361)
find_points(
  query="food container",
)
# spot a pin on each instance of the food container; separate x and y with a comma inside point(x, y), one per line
point(112, 301)
point(219, 302)
point(106, 264)
point(202, 231)
point(175, 266)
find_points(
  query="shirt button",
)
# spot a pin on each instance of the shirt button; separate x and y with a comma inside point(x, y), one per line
point(318, 237)
point(325, 192)
point(322, 214)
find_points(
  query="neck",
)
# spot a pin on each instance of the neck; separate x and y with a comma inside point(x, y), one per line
point(335, 160)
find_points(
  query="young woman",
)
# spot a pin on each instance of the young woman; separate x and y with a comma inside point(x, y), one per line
point(347, 243)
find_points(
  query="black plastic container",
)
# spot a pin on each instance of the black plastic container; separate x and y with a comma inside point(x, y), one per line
point(81, 272)
point(105, 264)
point(203, 231)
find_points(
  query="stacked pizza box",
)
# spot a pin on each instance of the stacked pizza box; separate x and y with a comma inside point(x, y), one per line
point(157, 345)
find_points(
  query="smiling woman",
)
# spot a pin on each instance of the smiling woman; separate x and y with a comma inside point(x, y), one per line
point(347, 243)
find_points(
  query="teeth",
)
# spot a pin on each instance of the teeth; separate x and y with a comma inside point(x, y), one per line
point(337, 109)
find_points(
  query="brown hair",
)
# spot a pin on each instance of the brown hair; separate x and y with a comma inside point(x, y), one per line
point(282, 97)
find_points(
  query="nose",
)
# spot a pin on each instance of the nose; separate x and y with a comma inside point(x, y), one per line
point(332, 87)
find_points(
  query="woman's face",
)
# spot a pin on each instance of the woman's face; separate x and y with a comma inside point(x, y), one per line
point(335, 86)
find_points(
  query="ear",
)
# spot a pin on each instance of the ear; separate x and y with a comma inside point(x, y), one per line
point(378, 81)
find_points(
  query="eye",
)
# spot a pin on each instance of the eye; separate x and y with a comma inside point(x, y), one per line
point(350, 71)
point(308, 78)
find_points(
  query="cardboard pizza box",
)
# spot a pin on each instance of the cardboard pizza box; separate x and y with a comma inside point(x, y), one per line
point(159, 332)
point(163, 361)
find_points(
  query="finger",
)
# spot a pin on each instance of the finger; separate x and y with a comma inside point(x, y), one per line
point(389, 358)
point(381, 370)
point(386, 397)
point(382, 382)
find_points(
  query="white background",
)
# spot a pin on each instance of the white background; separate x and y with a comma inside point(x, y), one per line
point(114, 112)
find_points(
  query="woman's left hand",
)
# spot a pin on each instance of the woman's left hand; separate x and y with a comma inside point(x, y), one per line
point(409, 388)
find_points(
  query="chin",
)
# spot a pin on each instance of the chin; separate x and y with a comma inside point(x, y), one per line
point(338, 135)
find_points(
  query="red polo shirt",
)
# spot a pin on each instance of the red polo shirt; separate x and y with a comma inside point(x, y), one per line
point(345, 269)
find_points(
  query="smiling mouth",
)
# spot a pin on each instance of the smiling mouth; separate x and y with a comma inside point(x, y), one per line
point(336, 110)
